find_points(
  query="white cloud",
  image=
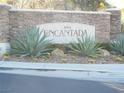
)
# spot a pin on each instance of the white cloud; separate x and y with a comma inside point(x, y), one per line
point(116, 3)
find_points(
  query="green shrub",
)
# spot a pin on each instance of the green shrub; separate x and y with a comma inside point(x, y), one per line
point(30, 43)
point(117, 45)
point(85, 46)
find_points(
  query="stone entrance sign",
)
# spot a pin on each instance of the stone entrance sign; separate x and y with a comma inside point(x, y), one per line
point(66, 32)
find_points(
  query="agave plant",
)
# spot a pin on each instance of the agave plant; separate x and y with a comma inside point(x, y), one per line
point(117, 45)
point(31, 42)
point(85, 46)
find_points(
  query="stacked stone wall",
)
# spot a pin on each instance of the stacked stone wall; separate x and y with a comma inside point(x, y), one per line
point(107, 23)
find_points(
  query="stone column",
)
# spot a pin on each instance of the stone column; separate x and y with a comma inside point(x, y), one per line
point(4, 22)
point(115, 22)
point(4, 27)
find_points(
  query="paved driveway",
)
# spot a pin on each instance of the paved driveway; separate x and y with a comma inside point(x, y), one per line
point(13, 83)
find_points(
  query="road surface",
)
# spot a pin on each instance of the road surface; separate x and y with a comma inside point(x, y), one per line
point(15, 83)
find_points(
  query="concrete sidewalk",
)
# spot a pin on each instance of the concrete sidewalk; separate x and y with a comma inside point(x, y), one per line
point(53, 66)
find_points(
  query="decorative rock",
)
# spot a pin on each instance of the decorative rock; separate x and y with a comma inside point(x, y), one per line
point(1, 57)
point(4, 48)
point(118, 58)
point(90, 60)
point(64, 60)
point(58, 53)
point(104, 52)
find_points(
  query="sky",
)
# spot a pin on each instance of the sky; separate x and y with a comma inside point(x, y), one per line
point(116, 3)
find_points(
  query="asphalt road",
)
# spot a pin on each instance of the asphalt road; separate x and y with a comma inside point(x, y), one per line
point(12, 83)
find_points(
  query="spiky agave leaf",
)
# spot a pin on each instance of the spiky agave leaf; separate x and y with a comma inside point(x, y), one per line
point(85, 46)
point(32, 42)
point(117, 45)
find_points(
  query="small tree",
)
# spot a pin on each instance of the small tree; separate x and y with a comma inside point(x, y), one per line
point(3, 1)
point(88, 5)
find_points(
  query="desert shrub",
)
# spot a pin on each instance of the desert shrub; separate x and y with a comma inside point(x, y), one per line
point(122, 27)
point(117, 45)
point(85, 46)
point(30, 43)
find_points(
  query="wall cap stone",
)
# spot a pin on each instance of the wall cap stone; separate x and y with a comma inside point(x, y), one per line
point(113, 9)
point(59, 11)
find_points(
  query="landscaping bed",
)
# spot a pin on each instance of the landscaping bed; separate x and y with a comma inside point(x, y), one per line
point(32, 46)
point(69, 58)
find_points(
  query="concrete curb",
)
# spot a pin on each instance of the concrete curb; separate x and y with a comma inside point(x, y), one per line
point(54, 66)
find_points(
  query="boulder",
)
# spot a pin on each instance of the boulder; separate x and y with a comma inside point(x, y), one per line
point(58, 53)
point(104, 52)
